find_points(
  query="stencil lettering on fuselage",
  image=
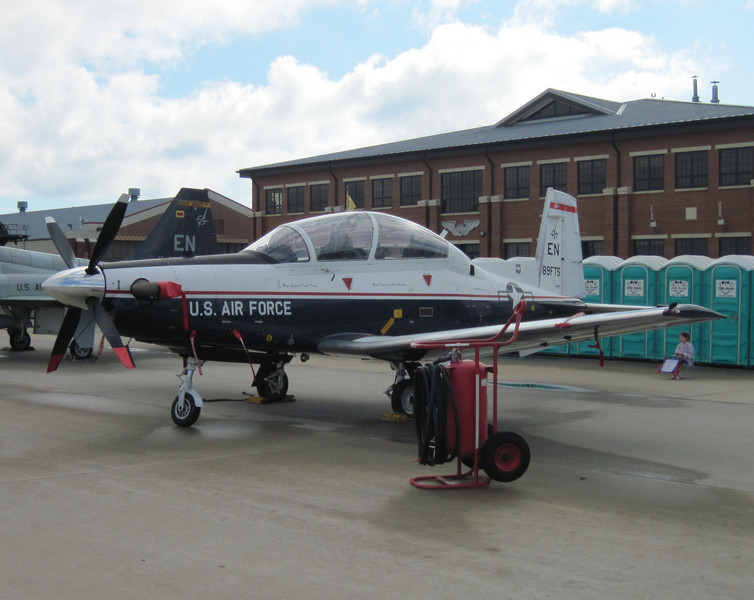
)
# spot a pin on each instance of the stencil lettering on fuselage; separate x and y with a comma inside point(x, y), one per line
point(240, 308)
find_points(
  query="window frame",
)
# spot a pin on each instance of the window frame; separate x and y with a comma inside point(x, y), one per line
point(649, 177)
point(553, 175)
point(460, 191)
point(691, 169)
point(591, 176)
point(516, 182)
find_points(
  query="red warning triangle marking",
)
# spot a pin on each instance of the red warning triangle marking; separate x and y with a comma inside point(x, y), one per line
point(348, 281)
point(428, 279)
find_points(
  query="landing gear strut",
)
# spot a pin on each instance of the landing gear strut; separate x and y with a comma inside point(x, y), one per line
point(187, 405)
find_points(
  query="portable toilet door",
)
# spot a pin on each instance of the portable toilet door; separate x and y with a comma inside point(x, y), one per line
point(682, 282)
point(635, 284)
point(728, 291)
point(598, 281)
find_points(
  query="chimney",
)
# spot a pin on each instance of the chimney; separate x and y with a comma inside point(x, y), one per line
point(695, 97)
point(22, 206)
point(715, 98)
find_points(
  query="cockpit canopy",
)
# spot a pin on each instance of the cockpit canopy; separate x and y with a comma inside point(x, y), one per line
point(350, 236)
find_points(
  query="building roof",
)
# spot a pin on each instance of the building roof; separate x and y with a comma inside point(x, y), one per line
point(553, 113)
point(72, 218)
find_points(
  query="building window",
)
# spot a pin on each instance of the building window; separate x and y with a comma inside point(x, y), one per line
point(649, 173)
point(649, 247)
point(274, 201)
point(592, 176)
point(382, 193)
point(691, 170)
point(516, 182)
point(736, 166)
point(593, 248)
point(735, 245)
point(461, 191)
point(296, 199)
point(517, 250)
point(411, 190)
point(552, 175)
point(697, 246)
point(319, 193)
point(355, 191)
point(470, 250)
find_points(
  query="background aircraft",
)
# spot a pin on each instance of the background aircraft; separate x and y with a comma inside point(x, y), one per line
point(185, 228)
point(352, 283)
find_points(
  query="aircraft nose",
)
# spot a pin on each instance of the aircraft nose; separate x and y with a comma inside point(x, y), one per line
point(74, 286)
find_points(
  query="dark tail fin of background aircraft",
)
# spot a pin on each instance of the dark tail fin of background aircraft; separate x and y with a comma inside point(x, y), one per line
point(186, 228)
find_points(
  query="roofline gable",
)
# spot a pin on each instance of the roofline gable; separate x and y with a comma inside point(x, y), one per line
point(581, 105)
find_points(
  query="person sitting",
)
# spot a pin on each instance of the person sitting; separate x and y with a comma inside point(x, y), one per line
point(684, 352)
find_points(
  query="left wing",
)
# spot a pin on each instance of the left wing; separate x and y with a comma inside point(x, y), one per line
point(532, 335)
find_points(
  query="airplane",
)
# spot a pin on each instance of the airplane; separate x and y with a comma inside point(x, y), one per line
point(185, 228)
point(351, 283)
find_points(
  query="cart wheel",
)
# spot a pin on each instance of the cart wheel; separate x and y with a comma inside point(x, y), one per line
point(505, 456)
point(188, 414)
point(402, 397)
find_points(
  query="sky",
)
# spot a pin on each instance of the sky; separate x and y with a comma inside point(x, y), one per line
point(98, 97)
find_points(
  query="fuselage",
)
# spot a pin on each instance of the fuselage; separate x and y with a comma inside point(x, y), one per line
point(286, 297)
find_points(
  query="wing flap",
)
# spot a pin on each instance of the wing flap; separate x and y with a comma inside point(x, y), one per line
point(532, 335)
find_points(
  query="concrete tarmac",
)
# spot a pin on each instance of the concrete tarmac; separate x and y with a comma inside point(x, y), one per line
point(639, 486)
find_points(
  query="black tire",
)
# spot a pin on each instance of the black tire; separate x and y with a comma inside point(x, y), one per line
point(80, 352)
point(273, 390)
point(190, 413)
point(402, 397)
point(20, 339)
point(505, 456)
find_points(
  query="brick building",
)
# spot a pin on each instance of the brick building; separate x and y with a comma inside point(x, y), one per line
point(651, 176)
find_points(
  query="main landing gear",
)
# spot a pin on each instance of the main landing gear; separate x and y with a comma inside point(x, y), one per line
point(401, 393)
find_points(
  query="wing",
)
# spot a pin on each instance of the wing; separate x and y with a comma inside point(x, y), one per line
point(532, 335)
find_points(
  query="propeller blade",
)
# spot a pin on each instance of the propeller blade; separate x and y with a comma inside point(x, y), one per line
point(105, 323)
point(61, 242)
point(108, 233)
point(65, 335)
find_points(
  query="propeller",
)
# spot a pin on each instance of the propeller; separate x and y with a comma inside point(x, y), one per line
point(61, 242)
point(79, 288)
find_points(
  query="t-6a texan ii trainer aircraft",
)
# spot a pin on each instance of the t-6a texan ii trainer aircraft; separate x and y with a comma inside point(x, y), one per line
point(362, 284)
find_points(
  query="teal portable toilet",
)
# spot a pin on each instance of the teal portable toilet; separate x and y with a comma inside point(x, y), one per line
point(598, 281)
point(682, 282)
point(727, 289)
point(635, 283)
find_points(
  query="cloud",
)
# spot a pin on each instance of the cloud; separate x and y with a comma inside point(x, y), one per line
point(84, 119)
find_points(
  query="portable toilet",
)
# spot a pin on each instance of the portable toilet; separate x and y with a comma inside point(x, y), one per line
point(727, 289)
point(598, 281)
point(682, 282)
point(635, 283)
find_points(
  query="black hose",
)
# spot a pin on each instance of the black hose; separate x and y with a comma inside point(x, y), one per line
point(434, 397)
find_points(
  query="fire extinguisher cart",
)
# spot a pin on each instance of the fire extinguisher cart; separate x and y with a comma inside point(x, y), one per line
point(503, 456)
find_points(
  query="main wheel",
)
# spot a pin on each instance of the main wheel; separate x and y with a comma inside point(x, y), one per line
point(20, 339)
point(271, 387)
point(505, 456)
point(80, 352)
point(402, 397)
point(186, 415)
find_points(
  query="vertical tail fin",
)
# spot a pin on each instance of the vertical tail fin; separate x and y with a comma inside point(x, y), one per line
point(186, 228)
point(559, 258)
